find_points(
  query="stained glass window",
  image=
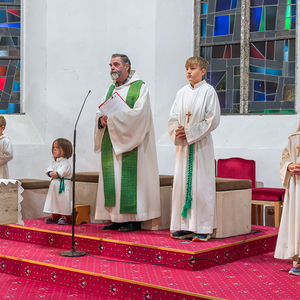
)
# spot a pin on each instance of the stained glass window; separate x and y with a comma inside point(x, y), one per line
point(220, 24)
point(272, 53)
point(10, 25)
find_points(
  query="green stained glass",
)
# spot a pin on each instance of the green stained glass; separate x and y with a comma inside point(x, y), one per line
point(287, 111)
point(232, 18)
point(269, 111)
point(222, 84)
point(262, 22)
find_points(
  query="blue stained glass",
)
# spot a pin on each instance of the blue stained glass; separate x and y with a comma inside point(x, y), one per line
point(255, 18)
point(14, 25)
point(13, 108)
point(259, 86)
point(203, 27)
point(259, 96)
point(223, 5)
point(216, 77)
point(2, 111)
point(16, 87)
point(274, 72)
point(3, 18)
point(19, 64)
point(294, 1)
point(270, 97)
point(221, 25)
point(270, 2)
point(293, 10)
point(203, 8)
point(8, 1)
point(208, 77)
point(293, 26)
point(286, 51)
point(222, 99)
point(233, 5)
point(5, 25)
point(255, 69)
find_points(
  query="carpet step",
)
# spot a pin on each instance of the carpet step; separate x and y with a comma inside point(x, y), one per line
point(93, 274)
point(152, 247)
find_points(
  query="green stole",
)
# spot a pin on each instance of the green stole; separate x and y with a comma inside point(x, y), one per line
point(128, 203)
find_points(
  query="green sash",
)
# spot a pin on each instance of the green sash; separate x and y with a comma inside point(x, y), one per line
point(128, 202)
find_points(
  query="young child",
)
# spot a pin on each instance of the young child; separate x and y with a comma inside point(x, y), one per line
point(194, 115)
point(6, 150)
point(288, 241)
point(59, 197)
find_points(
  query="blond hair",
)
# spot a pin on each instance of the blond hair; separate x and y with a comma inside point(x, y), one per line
point(201, 62)
point(2, 121)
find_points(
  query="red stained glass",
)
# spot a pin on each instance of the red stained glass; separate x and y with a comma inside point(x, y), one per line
point(15, 12)
point(228, 52)
point(2, 82)
point(255, 53)
point(3, 70)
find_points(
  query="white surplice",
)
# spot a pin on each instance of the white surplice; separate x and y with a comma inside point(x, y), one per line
point(203, 105)
point(127, 131)
point(6, 154)
point(59, 203)
point(288, 241)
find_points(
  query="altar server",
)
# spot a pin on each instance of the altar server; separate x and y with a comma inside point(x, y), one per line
point(128, 189)
point(6, 150)
point(59, 197)
point(288, 241)
point(194, 115)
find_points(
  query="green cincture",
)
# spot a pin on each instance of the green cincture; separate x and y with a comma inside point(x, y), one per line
point(188, 197)
point(62, 184)
point(129, 163)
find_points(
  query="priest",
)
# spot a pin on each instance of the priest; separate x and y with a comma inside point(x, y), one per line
point(194, 115)
point(128, 189)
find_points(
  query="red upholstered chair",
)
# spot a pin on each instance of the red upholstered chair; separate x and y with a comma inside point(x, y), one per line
point(239, 168)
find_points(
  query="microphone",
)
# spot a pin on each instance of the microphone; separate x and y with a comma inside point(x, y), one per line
point(73, 252)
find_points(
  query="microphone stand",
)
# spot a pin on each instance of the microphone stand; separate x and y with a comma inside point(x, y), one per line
point(73, 252)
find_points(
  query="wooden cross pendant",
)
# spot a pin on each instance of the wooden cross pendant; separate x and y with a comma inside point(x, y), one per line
point(298, 150)
point(188, 119)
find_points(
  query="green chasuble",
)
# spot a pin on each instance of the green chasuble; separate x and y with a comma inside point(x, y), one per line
point(128, 203)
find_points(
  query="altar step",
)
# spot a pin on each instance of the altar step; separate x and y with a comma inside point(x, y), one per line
point(148, 247)
point(97, 275)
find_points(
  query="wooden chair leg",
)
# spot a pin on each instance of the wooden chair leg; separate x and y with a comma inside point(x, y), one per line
point(253, 214)
point(277, 213)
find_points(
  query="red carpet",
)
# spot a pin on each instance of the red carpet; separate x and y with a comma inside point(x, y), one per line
point(31, 257)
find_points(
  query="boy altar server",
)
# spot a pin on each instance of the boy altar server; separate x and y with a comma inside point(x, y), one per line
point(194, 115)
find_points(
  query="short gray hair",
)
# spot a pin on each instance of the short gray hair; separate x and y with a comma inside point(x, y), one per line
point(124, 59)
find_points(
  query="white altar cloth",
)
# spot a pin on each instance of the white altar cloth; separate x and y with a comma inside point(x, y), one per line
point(10, 201)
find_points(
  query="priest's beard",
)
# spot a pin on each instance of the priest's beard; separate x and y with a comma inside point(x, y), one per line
point(116, 74)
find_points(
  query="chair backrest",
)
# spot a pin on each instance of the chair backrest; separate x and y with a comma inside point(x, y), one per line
point(236, 168)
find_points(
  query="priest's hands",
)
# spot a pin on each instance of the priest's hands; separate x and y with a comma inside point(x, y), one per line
point(180, 133)
point(294, 168)
point(103, 121)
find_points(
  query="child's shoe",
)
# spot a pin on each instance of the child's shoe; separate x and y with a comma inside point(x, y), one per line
point(201, 237)
point(295, 270)
point(64, 220)
point(53, 219)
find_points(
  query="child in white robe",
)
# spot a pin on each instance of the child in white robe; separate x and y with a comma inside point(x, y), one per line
point(6, 150)
point(288, 241)
point(59, 197)
point(194, 115)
